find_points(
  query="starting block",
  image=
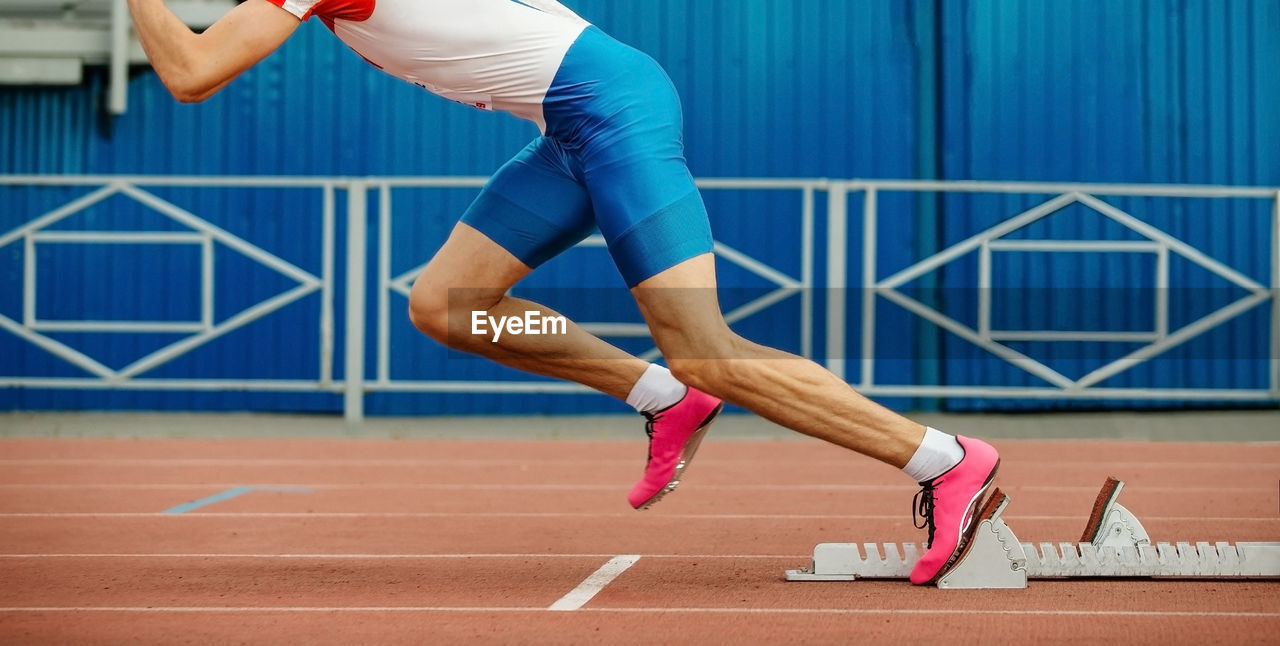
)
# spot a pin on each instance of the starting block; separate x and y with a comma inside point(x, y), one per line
point(1114, 545)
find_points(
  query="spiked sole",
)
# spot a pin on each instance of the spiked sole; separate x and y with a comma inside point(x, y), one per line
point(967, 531)
point(686, 456)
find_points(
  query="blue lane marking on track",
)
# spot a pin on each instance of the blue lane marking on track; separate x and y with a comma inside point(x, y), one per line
point(227, 495)
point(217, 497)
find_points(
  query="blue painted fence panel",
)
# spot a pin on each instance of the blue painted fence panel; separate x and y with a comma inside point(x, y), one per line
point(1146, 91)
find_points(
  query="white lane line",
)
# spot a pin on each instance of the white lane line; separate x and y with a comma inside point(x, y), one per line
point(495, 555)
point(592, 585)
point(500, 514)
point(610, 487)
point(1175, 614)
point(1232, 462)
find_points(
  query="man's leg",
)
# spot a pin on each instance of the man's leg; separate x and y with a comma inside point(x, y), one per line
point(533, 208)
point(683, 312)
point(471, 273)
point(626, 136)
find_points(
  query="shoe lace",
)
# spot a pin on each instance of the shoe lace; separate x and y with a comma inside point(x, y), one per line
point(922, 510)
point(650, 419)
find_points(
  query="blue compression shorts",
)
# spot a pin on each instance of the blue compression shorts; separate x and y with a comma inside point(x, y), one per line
point(612, 158)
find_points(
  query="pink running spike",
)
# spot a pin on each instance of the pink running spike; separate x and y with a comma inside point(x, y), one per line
point(674, 435)
point(948, 503)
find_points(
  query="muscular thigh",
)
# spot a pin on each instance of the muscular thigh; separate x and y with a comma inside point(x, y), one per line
point(618, 115)
point(533, 207)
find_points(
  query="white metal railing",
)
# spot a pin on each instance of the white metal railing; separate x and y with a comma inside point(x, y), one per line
point(199, 232)
point(1156, 241)
point(842, 203)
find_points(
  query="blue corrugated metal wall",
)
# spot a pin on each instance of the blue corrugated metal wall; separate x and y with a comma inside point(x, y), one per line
point(1167, 91)
point(1146, 91)
point(1180, 91)
point(804, 73)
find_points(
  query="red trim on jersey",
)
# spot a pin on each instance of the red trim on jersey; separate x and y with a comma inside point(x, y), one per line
point(331, 10)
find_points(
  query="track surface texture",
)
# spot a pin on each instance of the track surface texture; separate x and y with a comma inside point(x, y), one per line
point(357, 540)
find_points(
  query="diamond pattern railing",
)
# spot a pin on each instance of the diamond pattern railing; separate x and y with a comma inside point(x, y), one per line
point(194, 230)
point(880, 285)
point(1149, 240)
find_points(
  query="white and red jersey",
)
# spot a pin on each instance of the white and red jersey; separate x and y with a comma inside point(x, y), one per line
point(491, 54)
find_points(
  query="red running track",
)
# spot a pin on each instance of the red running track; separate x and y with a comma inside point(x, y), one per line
point(355, 541)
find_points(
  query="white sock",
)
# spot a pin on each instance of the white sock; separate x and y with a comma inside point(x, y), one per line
point(655, 390)
point(938, 452)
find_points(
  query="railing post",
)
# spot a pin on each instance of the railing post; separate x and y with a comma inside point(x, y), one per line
point(118, 92)
point(870, 249)
point(357, 232)
point(837, 272)
point(807, 268)
point(1275, 297)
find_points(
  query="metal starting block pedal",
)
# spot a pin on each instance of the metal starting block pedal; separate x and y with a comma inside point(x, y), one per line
point(1114, 544)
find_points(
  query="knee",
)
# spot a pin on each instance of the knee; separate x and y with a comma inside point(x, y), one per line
point(712, 367)
point(444, 314)
point(429, 312)
point(701, 373)
point(719, 364)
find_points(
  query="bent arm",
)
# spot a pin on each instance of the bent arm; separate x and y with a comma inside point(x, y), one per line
point(195, 66)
